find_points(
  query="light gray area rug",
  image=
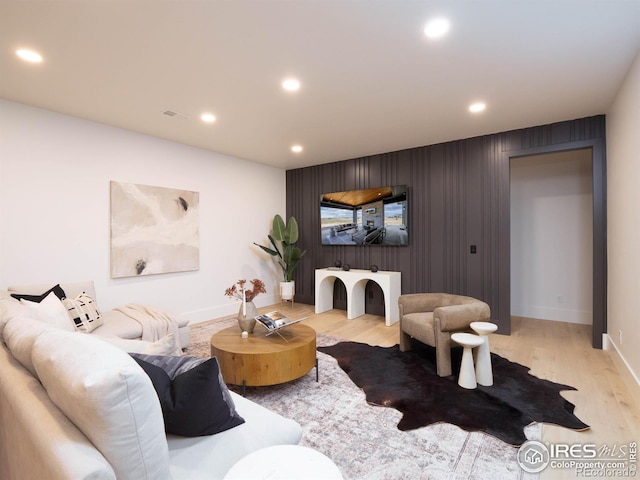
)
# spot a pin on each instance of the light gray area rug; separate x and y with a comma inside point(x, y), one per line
point(363, 440)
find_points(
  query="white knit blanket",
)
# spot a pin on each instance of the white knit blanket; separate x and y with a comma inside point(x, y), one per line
point(155, 322)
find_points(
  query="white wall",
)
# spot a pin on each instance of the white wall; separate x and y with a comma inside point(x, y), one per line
point(551, 237)
point(623, 219)
point(55, 220)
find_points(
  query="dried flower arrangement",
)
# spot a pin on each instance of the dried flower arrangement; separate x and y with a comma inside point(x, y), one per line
point(237, 289)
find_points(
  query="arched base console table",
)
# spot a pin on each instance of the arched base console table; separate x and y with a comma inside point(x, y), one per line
point(355, 282)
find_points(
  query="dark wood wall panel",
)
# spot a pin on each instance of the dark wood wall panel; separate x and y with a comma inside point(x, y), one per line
point(458, 196)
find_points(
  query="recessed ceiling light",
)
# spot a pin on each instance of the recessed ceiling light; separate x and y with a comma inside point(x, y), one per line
point(208, 117)
point(437, 27)
point(296, 148)
point(29, 55)
point(477, 107)
point(291, 84)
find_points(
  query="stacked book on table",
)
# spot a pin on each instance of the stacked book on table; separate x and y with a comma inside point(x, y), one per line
point(275, 321)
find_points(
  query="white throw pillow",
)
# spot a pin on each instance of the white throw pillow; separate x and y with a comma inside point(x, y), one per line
point(9, 308)
point(50, 311)
point(165, 346)
point(20, 334)
point(109, 397)
point(4, 318)
point(83, 312)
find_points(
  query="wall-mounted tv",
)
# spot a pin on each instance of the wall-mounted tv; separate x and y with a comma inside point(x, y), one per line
point(374, 216)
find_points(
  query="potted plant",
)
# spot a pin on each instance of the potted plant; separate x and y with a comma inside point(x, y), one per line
point(282, 239)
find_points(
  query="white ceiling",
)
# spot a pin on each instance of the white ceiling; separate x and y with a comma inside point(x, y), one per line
point(371, 81)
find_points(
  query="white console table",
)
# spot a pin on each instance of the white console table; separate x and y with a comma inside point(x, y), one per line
point(355, 282)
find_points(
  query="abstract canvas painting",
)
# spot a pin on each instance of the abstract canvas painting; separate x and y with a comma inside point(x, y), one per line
point(153, 230)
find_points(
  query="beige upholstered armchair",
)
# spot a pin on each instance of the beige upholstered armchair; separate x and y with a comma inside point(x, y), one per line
point(432, 317)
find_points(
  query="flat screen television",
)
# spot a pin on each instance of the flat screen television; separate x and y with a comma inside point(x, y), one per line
point(374, 216)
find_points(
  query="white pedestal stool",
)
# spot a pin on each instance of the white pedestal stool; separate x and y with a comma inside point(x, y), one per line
point(284, 462)
point(467, 377)
point(484, 372)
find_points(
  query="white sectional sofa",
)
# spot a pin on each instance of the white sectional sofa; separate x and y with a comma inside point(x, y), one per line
point(73, 406)
point(116, 323)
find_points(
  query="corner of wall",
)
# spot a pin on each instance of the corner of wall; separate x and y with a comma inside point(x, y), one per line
point(618, 358)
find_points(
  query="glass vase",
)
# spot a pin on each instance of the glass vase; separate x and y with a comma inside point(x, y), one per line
point(247, 321)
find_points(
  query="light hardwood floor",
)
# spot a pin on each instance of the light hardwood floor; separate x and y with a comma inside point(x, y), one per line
point(607, 396)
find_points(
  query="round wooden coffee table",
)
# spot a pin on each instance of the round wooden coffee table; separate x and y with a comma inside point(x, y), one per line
point(262, 360)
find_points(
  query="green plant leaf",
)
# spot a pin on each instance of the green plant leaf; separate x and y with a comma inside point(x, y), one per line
point(266, 249)
point(275, 246)
point(292, 230)
point(291, 258)
point(279, 229)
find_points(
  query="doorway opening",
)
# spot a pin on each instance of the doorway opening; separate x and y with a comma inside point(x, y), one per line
point(552, 236)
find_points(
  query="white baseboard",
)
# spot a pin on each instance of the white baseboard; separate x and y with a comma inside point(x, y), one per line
point(211, 313)
point(607, 343)
point(205, 315)
point(569, 315)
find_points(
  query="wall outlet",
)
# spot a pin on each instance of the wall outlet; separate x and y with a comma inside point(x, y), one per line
point(619, 337)
point(560, 299)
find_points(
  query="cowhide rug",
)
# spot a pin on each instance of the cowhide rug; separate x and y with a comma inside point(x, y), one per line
point(407, 381)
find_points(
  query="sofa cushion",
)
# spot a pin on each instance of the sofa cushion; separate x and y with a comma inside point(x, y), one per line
point(50, 311)
point(56, 289)
point(9, 308)
point(20, 335)
point(194, 398)
point(212, 456)
point(83, 311)
point(165, 346)
point(117, 324)
point(37, 441)
point(109, 397)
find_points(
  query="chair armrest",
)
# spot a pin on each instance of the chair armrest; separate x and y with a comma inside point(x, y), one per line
point(419, 302)
point(458, 317)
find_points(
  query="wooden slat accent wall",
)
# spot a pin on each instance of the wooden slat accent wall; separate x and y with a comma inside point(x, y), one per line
point(458, 195)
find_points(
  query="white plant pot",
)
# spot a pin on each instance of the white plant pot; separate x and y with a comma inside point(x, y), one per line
point(287, 290)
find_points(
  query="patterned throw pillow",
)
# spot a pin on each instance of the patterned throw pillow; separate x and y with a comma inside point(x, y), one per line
point(56, 289)
point(84, 312)
point(195, 400)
